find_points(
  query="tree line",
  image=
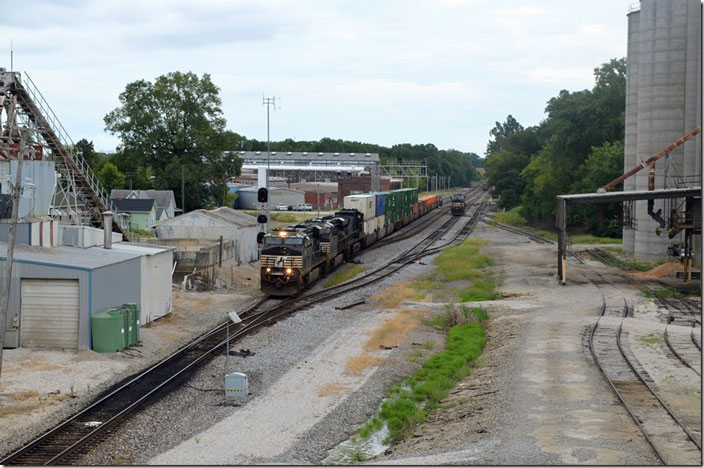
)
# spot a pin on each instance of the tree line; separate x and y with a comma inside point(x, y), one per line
point(577, 148)
point(173, 131)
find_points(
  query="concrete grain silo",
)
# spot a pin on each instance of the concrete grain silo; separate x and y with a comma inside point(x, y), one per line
point(663, 103)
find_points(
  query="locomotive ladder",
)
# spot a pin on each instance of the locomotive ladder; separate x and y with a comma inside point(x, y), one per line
point(69, 164)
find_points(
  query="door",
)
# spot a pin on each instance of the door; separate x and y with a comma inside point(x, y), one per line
point(49, 314)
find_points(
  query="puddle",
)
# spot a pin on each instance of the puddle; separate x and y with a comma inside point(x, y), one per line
point(357, 449)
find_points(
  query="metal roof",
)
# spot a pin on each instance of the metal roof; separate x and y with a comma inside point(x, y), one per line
point(134, 205)
point(310, 156)
point(163, 198)
point(608, 197)
point(70, 257)
point(223, 214)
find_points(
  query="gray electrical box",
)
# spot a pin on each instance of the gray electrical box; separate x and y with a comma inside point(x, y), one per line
point(236, 385)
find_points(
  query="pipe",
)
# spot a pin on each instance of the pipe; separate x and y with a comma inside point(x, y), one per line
point(650, 162)
point(107, 229)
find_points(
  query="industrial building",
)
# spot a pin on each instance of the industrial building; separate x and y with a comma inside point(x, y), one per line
point(55, 292)
point(62, 275)
point(277, 196)
point(361, 184)
point(310, 166)
point(203, 228)
point(663, 103)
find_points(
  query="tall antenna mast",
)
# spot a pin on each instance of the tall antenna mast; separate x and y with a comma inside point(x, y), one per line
point(12, 61)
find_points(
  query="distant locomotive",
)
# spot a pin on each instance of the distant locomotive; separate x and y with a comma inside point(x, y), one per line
point(458, 206)
point(294, 257)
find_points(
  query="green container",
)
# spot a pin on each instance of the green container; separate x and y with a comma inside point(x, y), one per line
point(108, 332)
point(134, 323)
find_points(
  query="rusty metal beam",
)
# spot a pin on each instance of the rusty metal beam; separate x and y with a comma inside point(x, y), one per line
point(651, 161)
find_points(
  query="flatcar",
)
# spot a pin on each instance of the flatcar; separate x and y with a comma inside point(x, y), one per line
point(294, 257)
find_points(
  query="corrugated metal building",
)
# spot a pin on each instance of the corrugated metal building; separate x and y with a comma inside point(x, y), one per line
point(209, 225)
point(55, 292)
point(277, 195)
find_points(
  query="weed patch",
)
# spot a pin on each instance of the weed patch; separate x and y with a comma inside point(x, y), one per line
point(391, 297)
point(346, 273)
point(408, 404)
point(510, 218)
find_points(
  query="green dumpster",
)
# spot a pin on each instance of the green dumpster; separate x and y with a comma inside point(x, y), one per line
point(107, 332)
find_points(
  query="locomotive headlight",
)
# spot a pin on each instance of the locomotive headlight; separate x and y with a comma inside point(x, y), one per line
point(289, 271)
point(268, 270)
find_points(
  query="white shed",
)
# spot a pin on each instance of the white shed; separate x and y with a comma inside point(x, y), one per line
point(209, 225)
point(155, 271)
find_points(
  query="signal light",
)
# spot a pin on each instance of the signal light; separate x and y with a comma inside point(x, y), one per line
point(260, 237)
point(262, 195)
point(261, 219)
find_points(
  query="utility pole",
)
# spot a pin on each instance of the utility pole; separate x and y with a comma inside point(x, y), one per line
point(269, 103)
point(183, 192)
point(7, 273)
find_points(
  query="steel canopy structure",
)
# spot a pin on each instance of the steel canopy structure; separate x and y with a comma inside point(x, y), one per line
point(691, 223)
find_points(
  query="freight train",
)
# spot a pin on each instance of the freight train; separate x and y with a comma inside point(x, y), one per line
point(458, 206)
point(295, 256)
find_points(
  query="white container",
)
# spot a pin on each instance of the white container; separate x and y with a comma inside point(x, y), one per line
point(380, 222)
point(365, 204)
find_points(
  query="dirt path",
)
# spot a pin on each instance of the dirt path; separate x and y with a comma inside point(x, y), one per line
point(536, 397)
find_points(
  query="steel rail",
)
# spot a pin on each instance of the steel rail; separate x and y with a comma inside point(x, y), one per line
point(613, 387)
point(530, 235)
point(254, 320)
point(92, 408)
point(676, 354)
point(652, 390)
point(692, 336)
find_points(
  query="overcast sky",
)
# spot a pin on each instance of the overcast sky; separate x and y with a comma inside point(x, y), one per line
point(375, 71)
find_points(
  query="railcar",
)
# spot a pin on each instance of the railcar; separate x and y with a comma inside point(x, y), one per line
point(294, 257)
point(458, 205)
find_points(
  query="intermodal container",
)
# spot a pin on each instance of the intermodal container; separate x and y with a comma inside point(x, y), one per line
point(380, 203)
point(365, 204)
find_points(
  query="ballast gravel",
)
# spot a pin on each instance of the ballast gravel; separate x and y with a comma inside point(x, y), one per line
point(304, 398)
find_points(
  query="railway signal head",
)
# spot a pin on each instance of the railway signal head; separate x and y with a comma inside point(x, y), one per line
point(261, 219)
point(262, 195)
point(260, 237)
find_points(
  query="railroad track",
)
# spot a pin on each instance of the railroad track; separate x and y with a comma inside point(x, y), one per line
point(68, 442)
point(534, 237)
point(671, 440)
point(416, 228)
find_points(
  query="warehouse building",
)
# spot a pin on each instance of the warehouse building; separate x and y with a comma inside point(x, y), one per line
point(277, 196)
point(309, 166)
point(55, 291)
point(204, 227)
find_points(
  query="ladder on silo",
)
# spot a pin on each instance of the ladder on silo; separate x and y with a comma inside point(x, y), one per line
point(37, 113)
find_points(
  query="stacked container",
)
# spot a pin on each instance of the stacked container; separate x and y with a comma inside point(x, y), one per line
point(365, 204)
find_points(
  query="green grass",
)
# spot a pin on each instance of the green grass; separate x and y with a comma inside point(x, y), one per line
point(408, 404)
point(345, 273)
point(589, 239)
point(462, 262)
point(140, 233)
point(510, 218)
point(649, 339)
